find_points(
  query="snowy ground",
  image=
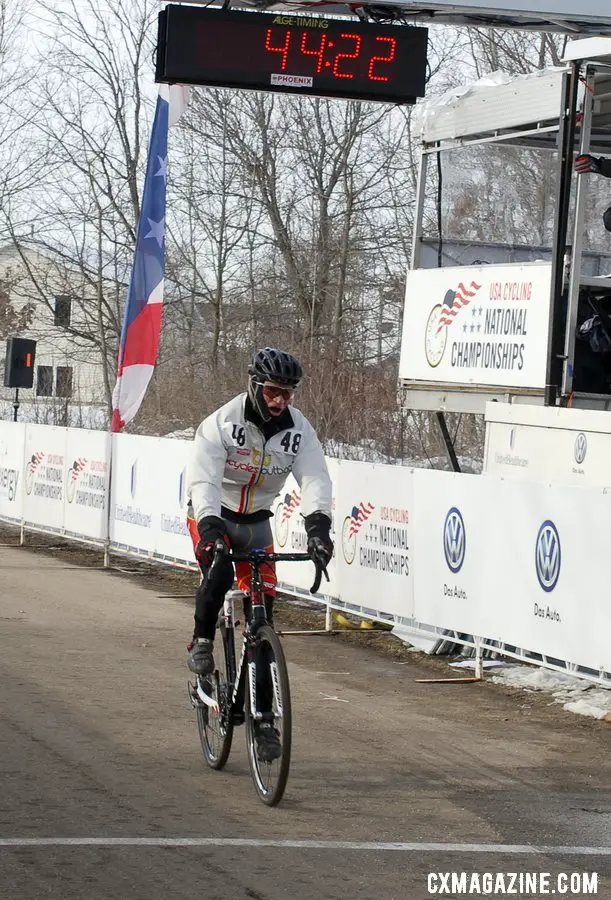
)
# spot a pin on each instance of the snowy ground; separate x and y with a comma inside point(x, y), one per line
point(574, 694)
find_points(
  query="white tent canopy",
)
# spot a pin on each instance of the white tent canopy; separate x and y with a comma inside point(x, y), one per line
point(586, 17)
point(524, 109)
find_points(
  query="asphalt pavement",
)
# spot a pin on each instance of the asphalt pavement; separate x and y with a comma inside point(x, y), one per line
point(394, 785)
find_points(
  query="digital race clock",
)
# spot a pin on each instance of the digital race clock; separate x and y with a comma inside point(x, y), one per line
point(291, 53)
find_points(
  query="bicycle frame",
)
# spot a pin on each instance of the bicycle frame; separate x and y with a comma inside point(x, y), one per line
point(258, 618)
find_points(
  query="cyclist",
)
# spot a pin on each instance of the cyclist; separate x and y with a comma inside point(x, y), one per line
point(241, 457)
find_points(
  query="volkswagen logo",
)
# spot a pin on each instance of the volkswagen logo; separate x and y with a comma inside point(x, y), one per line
point(548, 556)
point(581, 448)
point(454, 540)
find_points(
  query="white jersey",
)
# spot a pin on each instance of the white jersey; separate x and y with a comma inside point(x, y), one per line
point(232, 464)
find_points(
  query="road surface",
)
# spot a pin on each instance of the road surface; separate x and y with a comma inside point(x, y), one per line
point(104, 792)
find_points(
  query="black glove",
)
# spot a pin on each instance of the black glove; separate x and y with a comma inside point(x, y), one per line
point(607, 219)
point(210, 529)
point(586, 163)
point(320, 545)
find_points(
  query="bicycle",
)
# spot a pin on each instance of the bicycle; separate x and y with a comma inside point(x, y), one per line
point(255, 690)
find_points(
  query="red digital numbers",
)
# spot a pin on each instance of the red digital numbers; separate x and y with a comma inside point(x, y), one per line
point(357, 49)
point(319, 53)
point(324, 51)
point(284, 50)
point(392, 49)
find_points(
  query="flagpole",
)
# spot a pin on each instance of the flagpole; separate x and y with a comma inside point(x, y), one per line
point(107, 538)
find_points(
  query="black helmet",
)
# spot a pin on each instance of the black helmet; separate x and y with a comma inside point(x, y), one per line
point(268, 364)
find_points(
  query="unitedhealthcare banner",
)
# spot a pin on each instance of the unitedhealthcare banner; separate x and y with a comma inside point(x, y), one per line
point(550, 444)
point(504, 560)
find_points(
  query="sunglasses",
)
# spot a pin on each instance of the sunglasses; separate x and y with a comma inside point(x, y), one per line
point(272, 391)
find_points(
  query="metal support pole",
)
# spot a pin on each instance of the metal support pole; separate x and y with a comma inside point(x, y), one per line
point(109, 500)
point(443, 426)
point(328, 617)
point(16, 404)
point(479, 669)
point(418, 212)
point(557, 313)
point(577, 247)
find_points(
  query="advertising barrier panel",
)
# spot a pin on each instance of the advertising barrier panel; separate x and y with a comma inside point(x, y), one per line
point(12, 449)
point(450, 571)
point(87, 483)
point(374, 538)
point(514, 564)
point(135, 483)
point(545, 570)
point(549, 444)
point(45, 476)
point(170, 501)
point(290, 537)
point(521, 563)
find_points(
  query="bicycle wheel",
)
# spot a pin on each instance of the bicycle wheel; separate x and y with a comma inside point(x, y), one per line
point(272, 678)
point(215, 726)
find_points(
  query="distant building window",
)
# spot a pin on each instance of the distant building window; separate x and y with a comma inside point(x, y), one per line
point(63, 381)
point(44, 381)
point(63, 309)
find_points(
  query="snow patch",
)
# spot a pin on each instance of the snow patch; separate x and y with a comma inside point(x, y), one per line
point(574, 694)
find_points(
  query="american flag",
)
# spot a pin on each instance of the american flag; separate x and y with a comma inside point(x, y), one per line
point(36, 460)
point(77, 467)
point(359, 515)
point(291, 502)
point(142, 317)
point(454, 301)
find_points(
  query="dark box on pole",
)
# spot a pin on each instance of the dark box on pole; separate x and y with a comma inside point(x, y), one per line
point(19, 366)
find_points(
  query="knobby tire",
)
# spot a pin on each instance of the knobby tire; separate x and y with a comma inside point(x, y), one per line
point(270, 779)
point(216, 742)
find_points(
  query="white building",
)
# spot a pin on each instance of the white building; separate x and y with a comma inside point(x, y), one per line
point(47, 300)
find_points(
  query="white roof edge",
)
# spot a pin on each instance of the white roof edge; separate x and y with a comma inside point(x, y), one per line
point(568, 418)
point(594, 48)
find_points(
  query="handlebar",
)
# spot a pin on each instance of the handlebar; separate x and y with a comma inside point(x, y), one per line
point(221, 550)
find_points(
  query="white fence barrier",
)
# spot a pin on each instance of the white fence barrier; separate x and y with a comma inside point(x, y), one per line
point(514, 564)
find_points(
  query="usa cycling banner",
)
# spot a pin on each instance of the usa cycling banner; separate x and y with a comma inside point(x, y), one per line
point(290, 537)
point(45, 476)
point(374, 537)
point(480, 325)
point(86, 484)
